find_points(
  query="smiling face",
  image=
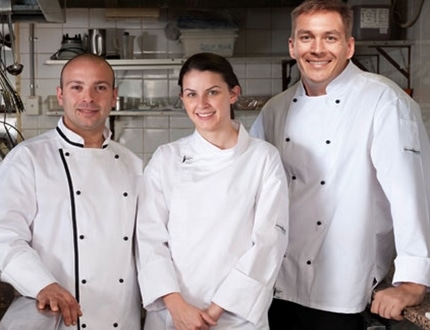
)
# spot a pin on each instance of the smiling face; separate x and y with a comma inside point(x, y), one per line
point(207, 99)
point(321, 48)
point(87, 95)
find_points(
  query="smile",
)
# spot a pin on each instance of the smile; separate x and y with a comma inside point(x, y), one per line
point(318, 62)
point(205, 115)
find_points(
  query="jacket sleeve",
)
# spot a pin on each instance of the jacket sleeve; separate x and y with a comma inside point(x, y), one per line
point(20, 264)
point(401, 155)
point(254, 274)
point(154, 261)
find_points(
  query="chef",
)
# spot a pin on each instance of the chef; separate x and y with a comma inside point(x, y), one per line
point(212, 224)
point(67, 209)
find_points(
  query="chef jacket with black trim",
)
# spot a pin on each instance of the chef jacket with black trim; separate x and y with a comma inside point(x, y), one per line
point(358, 165)
point(212, 225)
point(67, 215)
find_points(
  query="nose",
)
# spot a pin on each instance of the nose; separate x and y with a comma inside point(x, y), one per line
point(202, 101)
point(87, 95)
point(318, 45)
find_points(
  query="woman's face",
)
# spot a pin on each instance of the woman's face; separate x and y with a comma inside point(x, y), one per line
point(207, 99)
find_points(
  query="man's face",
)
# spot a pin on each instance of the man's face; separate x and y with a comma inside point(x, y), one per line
point(87, 96)
point(321, 48)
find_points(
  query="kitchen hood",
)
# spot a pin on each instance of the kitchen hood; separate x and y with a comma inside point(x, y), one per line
point(37, 11)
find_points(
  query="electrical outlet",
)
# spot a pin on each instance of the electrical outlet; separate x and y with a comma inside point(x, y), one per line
point(33, 105)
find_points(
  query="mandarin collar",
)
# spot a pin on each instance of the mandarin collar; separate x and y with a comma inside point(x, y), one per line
point(75, 139)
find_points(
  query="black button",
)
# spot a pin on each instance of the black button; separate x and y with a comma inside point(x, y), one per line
point(125, 194)
point(81, 236)
point(293, 177)
point(67, 154)
point(125, 238)
point(78, 192)
point(287, 139)
point(308, 262)
point(322, 183)
point(84, 281)
point(327, 141)
point(294, 100)
point(319, 223)
point(115, 325)
point(84, 325)
point(116, 156)
point(337, 101)
point(121, 280)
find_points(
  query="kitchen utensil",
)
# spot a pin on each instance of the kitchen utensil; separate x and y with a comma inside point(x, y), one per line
point(126, 46)
point(97, 41)
point(15, 68)
point(119, 103)
point(70, 47)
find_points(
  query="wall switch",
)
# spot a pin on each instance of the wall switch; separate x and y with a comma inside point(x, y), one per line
point(33, 105)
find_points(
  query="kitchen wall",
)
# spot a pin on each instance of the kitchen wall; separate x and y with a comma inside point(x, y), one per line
point(262, 32)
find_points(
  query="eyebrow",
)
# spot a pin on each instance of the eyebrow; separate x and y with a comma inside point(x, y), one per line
point(212, 87)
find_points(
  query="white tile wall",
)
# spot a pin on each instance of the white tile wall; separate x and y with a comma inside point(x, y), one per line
point(262, 31)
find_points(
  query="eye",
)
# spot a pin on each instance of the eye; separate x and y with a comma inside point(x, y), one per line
point(305, 37)
point(213, 92)
point(190, 94)
point(101, 87)
point(76, 87)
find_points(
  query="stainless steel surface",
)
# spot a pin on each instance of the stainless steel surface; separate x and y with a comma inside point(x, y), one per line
point(97, 41)
point(23, 314)
point(15, 68)
point(47, 11)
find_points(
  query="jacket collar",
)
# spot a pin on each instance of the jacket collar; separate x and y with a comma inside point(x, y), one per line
point(76, 140)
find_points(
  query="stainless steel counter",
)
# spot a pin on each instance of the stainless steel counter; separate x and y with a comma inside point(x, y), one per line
point(23, 314)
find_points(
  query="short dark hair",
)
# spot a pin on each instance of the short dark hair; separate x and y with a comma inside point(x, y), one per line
point(210, 62)
point(310, 6)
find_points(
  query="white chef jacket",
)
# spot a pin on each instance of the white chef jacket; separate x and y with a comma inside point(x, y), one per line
point(212, 225)
point(358, 164)
point(67, 215)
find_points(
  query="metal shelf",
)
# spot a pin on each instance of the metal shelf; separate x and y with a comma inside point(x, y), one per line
point(163, 62)
point(380, 47)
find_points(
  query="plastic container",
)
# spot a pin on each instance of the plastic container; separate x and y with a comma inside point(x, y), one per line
point(218, 41)
point(371, 22)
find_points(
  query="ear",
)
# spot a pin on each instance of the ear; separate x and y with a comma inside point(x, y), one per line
point(60, 95)
point(234, 94)
point(351, 47)
point(291, 48)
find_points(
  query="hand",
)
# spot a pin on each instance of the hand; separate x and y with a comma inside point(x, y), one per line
point(59, 299)
point(390, 303)
point(186, 316)
point(214, 311)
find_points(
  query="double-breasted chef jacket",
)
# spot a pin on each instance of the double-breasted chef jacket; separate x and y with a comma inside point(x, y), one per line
point(358, 164)
point(212, 225)
point(67, 215)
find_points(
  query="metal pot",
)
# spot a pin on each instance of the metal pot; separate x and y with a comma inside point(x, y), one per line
point(97, 41)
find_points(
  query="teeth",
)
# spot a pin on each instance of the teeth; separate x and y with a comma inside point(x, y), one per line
point(205, 114)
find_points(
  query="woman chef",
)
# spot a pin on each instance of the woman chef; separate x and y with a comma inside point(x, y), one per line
point(213, 211)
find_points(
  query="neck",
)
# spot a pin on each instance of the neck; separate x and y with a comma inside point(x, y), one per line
point(95, 141)
point(225, 138)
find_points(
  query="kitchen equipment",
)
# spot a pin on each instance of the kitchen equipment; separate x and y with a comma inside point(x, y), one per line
point(15, 68)
point(119, 105)
point(127, 46)
point(70, 47)
point(97, 41)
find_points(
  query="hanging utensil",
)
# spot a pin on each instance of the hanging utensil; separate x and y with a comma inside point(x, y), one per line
point(15, 68)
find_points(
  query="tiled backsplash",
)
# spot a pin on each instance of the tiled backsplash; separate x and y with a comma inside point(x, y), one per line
point(262, 32)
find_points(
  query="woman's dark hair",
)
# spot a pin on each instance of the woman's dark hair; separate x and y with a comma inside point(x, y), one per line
point(210, 62)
